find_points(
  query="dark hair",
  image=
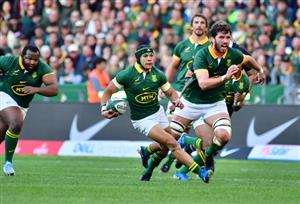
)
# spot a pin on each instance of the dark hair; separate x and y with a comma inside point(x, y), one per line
point(99, 60)
point(201, 16)
point(219, 27)
point(31, 48)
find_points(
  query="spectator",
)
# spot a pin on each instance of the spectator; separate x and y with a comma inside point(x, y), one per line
point(98, 79)
point(69, 76)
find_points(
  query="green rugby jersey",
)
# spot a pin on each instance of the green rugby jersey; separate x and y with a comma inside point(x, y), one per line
point(15, 78)
point(185, 51)
point(141, 89)
point(206, 59)
point(242, 85)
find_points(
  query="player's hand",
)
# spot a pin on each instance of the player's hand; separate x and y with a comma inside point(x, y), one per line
point(260, 78)
point(161, 94)
point(231, 71)
point(109, 114)
point(30, 90)
point(238, 101)
point(178, 104)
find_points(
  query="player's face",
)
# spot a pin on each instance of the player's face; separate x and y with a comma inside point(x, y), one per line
point(221, 42)
point(199, 27)
point(147, 60)
point(30, 60)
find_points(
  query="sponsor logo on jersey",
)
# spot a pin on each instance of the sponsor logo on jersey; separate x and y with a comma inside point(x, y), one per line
point(187, 49)
point(146, 97)
point(16, 72)
point(144, 89)
point(18, 89)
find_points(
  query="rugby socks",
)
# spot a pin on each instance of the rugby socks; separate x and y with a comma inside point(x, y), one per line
point(195, 168)
point(195, 141)
point(199, 159)
point(153, 162)
point(11, 141)
point(213, 148)
point(189, 149)
point(148, 151)
point(170, 160)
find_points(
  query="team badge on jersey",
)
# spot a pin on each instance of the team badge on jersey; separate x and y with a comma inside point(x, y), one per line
point(34, 75)
point(154, 78)
point(228, 62)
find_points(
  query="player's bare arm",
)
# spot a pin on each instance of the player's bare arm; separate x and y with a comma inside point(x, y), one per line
point(170, 72)
point(205, 82)
point(109, 90)
point(173, 96)
point(50, 88)
point(251, 62)
point(172, 68)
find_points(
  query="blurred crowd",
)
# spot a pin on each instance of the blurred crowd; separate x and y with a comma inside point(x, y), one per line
point(73, 35)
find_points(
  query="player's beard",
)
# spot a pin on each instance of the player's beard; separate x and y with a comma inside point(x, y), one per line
point(27, 68)
point(199, 32)
point(220, 49)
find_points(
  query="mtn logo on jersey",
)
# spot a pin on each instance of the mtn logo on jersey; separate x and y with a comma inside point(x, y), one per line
point(146, 97)
point(18, 89)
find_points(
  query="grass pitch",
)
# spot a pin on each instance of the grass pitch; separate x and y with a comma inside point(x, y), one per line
point(42, 179)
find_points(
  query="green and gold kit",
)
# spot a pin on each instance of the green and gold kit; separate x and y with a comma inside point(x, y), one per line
point(185, 51)
point(141, 89)
point(242, 86)
point(15, 78)
point(207, 60)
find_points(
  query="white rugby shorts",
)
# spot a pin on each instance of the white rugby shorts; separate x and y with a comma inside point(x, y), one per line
point(146, 124)
point(7, 101)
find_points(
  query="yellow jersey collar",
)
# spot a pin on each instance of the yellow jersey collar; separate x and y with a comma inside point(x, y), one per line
point(138, 68)
point(202, 42)
point(21, 63)
point(213, 54)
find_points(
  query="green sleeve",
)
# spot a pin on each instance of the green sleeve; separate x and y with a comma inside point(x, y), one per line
point(5, 62)
point(46, 69)
point(122, 77)
point(177, 50)
point(200, 61)
point(238, 56)
point(163, 79)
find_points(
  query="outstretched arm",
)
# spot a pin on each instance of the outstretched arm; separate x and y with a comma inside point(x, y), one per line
point(251, 62)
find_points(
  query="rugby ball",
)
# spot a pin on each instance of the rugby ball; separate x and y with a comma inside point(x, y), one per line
point(117, 105)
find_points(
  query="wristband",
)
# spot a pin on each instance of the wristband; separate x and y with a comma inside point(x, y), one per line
point(223, 78)
point(103, 108)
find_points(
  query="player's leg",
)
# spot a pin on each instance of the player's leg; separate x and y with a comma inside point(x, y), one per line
point(146, 152)
point(153, 162)
point(13, 116)
point(164, 138)
point(204, 131)
point(221, 125)
point(167, 164)
point(171, 158)
point(3, 128)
